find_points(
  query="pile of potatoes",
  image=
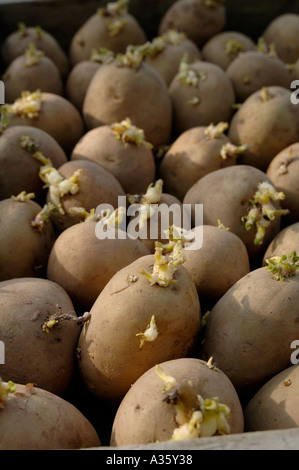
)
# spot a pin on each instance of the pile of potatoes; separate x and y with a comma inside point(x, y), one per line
point(128, 328)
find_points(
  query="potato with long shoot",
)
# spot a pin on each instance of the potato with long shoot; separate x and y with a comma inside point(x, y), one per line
point(250, 330)
point(29, 418)
point(147, 313)
point(180, 399)
point(123, 150)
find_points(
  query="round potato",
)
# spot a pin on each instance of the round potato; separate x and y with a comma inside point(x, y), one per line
point(275, 405)
point(286, 241)
point(122, 149)
point(198, 19)
point(29, 417)
point(282, 32)
point(19, 171)
point(225, 47)
point(139, 319)
point(168, 403)
point(40, 331)
point(266, 112)
point(201, 94)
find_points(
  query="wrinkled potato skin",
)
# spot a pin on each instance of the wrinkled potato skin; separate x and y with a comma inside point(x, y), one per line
point(82, 264)
point(31, 354)
point(286, 241)
point(265, 411)
point(116, 93)
point(193, 18)
point(143, 417)
point(252, 70)
point(15, 45)
point(226, 195)
point(218, 264)
point(216, 98)
point(23, 251)
point(78, 81)
point(58, 117)
point(29, 422)
point(132, 165)
point(287, 182)
point(214, 49)
point(257, 119)
point(94, 34)
point(191, 156)
point(105, 189)
point(111, 358)
point(19, 171)
point(250, 329)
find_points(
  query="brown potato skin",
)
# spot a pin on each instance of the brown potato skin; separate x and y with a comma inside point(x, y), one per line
point(59, 118)
point(225, 195)
point(19, 171)
point(29, 422)
point(214, 49)
point(250, 329)
point(287, 182)
point(78, 81)
point(220, 262)
point(105, 190)
point(83, 264)
point(94, 34)
point(119, 92)
point(15, 45)
point(286, 241)
point(265, 411)
point(19, 77)
point(193, 18)
point(132, 165)
point(283, 33)
point(143, 417)
point(110, 355)
point(216, 98)
point(31, 354)
point(257, 119)
point(252, 70)
point(191, 156)
point(23, 251)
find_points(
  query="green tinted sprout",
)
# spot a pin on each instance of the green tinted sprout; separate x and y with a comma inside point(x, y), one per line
point(5, 389)
point(23, 196)
point(102, 55)
point(231, 150)
point(128, 133)
point(33, 55)
point(284, 266)
point(215, 132)
point(151, 332)
point(233, 46)
point(59, 316)
point(188, 75)
point(165, 267)
point(42, 218)
point(27, 105)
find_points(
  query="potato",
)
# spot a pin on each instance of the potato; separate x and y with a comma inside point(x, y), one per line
point(82, 263)
point(111, 27)
point(26, 237)
point(253, 70)
point(167, 403)
point(201, 94)
point(81, 74)
point(226, 46)
point(139, 319)
point(283, 170)
point(17, 42)
point(235, 196)
point(198, 19)
point(18, 170)
point(40, 331)
point(286, 241)
point(79, 177)
point(122, 149)
point(266, 112)
point(30, 71)
point(250, 330)
point(165, 53)
point(29, 417)
point(218, 264)
point(123, 89)
point(275, 405)
point(52, 113)
point(282, 32)
point(195, 153)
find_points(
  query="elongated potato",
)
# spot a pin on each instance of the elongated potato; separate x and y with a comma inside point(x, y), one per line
point(140, 318)
point(168, 403)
